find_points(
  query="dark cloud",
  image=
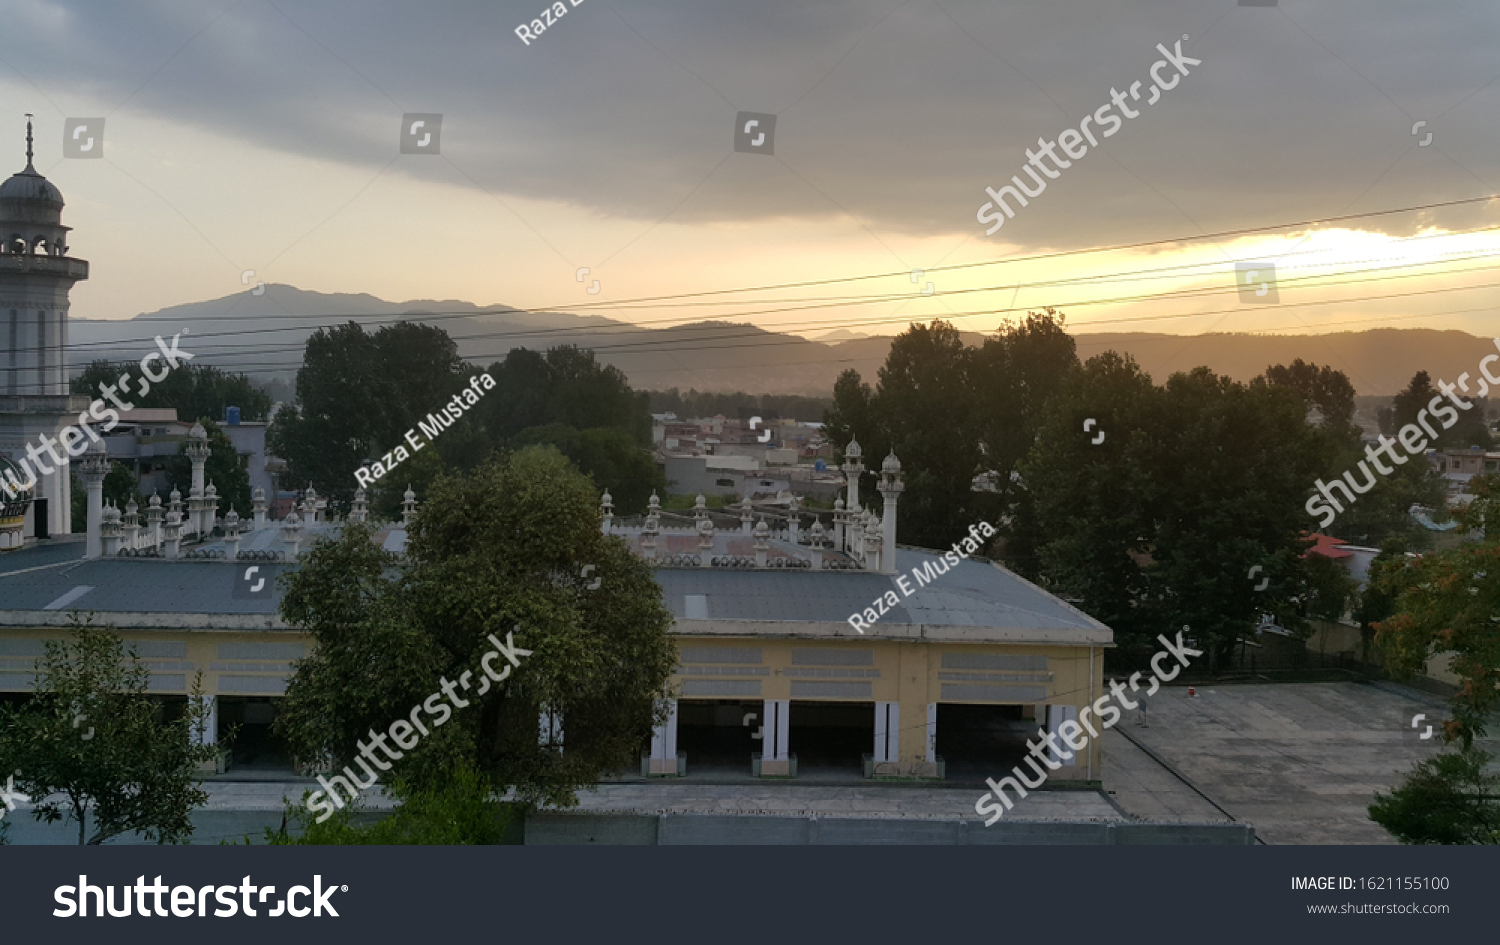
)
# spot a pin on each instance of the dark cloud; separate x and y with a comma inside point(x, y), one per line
point(898, 113)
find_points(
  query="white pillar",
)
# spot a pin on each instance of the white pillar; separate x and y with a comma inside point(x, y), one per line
point(1056, 715)
point(775, 758)
point(887, 732)
point(664, 743)
point(209, 733)
point(932, 733)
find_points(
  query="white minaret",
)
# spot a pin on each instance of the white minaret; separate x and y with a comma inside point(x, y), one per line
point(891, 488)
point(852, 468)
point(95, 466)
point(36, 274)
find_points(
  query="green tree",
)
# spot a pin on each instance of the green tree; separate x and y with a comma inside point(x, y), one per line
point(459, 812)
point(357, 396)
point(496, 551)
point(567, 386)
point(193, 389)
point(1468, 430)
point(91, 744)
point(1018, 372)
point(925, 405)
point(1159, 524)
point(1448, 602)
point(1451, 798)
point(1092, 500)
point(608, 456)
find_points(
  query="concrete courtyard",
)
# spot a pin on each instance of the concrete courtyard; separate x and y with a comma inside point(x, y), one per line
point(1301, 762)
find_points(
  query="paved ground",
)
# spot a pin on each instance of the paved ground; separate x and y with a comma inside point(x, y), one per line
point(1300, 762)
point(869, 800)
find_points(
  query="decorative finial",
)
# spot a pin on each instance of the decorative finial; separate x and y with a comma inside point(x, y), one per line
point(28, 143)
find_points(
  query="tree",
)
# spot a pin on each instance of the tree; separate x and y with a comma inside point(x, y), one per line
point(458, 812)
point(91, 742)
point(1091, 500)
point(1448, 602)
point(925, 405)
point(225, 468)
point(1468, 429)
point(566, 385)
point(497, 551)
point(193, 389)
point(1324, 389)
point(357, 396)
point(1451, 798)
point(1159, 523)
point(1018, 373)
point(609, 457)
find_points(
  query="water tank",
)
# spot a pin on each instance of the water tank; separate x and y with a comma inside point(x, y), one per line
point(820, 466)
point(232, 416)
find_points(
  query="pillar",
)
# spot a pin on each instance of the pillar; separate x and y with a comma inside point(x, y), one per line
point(663, 759)
point(775, 760)
point(95, 466)
point(887, 733)
point(1056, 715)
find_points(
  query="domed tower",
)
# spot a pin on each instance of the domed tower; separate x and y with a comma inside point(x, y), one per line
point(36, 274)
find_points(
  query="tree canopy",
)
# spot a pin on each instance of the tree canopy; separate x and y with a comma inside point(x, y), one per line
point(92, 747)
point(193, 389)
point(497, 550)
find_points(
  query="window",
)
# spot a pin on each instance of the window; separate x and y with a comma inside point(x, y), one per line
point(724, 482)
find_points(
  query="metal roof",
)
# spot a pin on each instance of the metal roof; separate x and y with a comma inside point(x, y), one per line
point(974, 594)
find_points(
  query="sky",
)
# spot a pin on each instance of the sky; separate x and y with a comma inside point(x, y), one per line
point(249, 140)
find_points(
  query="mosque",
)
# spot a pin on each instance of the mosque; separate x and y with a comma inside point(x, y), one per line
point(774, 680)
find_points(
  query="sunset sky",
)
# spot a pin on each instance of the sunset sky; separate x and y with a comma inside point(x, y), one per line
point(263, 136)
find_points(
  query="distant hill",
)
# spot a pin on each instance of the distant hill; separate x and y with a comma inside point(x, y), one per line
point(263, 336)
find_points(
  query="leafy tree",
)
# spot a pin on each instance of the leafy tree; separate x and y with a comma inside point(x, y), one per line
point(460, 811)
point(1160, 523)
point(357, 396)
point(1322, 388)
point(91, 744)
point(566, 385)
point(193, 389)
point(1469, 430)
point(610, 457)
point(225, 468)
point(496, 551)
point(1451, 798)
point(1018, 373)
point(1092, 500)
point(925, 406)
point(1448, 602)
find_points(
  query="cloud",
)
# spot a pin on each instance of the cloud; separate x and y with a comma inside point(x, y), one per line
point(897, 114)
